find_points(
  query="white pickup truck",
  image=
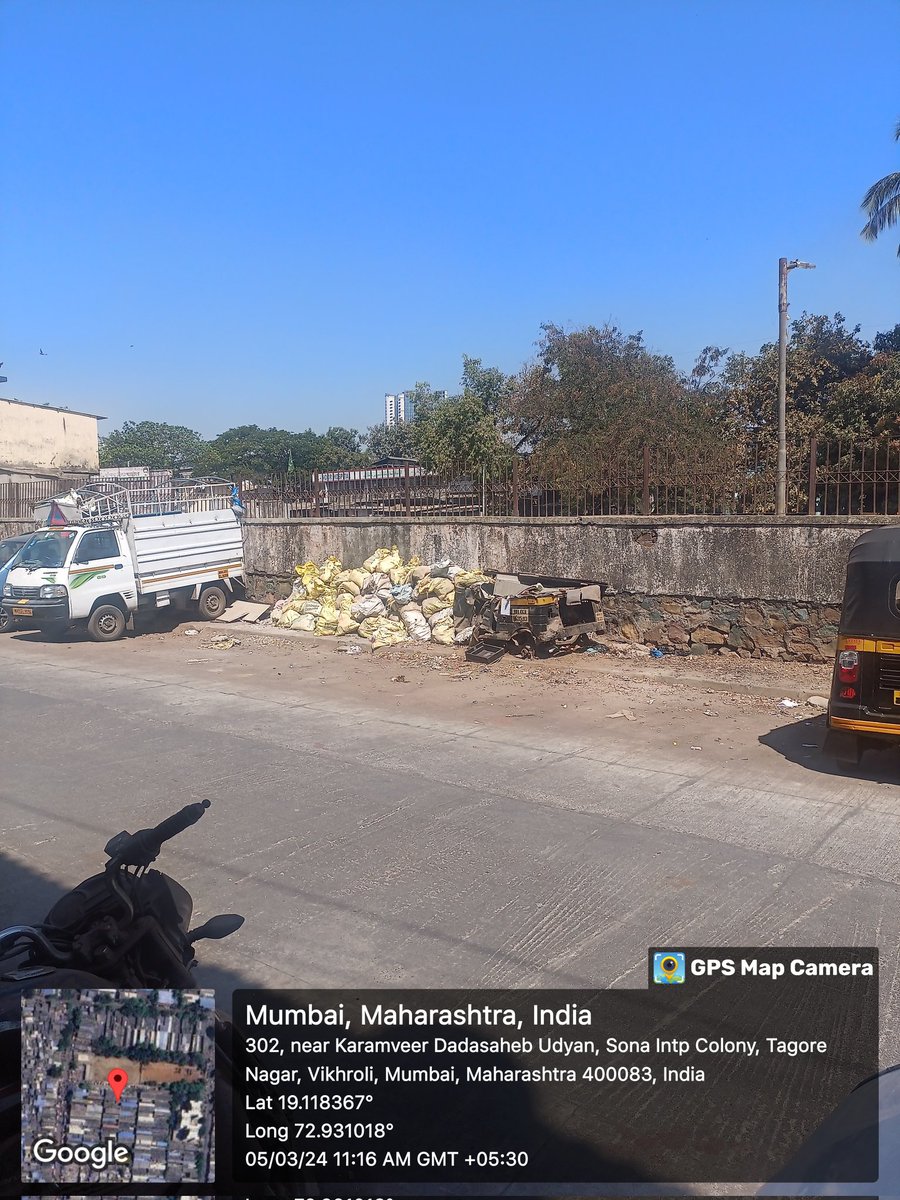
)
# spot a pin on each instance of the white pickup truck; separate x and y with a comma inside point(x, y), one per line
point(110, 552)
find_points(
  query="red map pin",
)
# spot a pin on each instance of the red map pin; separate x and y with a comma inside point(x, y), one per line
point(118, 1081)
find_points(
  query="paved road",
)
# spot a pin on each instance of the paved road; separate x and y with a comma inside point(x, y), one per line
point(404, 848)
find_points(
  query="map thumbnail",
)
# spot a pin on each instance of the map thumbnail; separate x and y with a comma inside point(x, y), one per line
point(118, 1086)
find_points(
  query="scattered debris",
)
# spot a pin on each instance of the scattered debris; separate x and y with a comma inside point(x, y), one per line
point(399, 679)
point(696, 747)
point(656, 652)
point(222, 641)
point(789, 703)
point(191, 632)
point(344, 648)
point(817, 702)
point(623, 712)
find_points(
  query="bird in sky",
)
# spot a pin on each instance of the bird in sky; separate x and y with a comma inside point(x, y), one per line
point(44, 352)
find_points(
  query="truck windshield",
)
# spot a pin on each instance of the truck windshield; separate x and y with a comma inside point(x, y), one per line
point(49, 548)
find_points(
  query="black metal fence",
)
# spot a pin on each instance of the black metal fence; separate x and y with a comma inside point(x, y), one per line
point(824, 478)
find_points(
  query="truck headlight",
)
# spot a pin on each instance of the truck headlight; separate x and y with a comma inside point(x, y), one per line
point(53, 591)
point(7, 591)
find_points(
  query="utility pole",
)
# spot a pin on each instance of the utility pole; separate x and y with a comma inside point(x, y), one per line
point(781, 473)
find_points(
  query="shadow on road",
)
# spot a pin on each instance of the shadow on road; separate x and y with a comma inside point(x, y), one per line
point(25, 897)
point(801, 742)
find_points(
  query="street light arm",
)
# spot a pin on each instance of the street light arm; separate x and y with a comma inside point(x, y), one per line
point(804, 265)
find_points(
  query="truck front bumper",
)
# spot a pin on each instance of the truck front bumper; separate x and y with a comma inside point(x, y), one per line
point(38, 612)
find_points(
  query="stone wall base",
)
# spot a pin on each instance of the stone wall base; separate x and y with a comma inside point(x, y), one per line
point(739, 629)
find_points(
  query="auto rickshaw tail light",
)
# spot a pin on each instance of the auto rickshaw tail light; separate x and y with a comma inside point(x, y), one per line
point(848, 667)
point(848, 693)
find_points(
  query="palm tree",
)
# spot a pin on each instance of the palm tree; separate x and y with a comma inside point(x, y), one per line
point(881, 204)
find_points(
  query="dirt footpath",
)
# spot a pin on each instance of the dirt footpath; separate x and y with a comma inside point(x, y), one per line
point(699, 705)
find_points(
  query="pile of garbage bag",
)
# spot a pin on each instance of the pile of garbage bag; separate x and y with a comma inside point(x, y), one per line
point(385, 601)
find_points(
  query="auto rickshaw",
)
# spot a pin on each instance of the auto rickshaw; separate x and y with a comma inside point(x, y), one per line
point(864, 706)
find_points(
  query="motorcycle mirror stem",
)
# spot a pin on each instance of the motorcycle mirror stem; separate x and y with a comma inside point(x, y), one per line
point(216, 927)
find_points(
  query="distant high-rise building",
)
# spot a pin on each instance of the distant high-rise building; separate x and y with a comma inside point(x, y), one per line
point(400, 407)
point(393, 408)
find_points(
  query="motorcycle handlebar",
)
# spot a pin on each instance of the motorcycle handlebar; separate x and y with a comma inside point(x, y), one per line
point(141, 848)
point(173, 825)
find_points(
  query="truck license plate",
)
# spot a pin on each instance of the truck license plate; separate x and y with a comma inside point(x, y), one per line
point(23, 612)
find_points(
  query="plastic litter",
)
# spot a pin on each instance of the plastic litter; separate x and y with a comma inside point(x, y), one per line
point(191, 632)
point(788, 703)
point(656, 652)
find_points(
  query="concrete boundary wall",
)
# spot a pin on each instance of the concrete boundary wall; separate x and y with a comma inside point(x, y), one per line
point(751, 587)
point(727, 558)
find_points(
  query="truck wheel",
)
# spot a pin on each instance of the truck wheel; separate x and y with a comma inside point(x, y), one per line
point(212, 603)
point(6, 621)
point(106, 623)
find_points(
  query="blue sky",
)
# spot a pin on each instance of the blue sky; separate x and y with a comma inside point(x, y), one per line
point(272, 212)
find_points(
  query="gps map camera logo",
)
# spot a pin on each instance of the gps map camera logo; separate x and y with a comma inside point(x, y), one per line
point(668, 967)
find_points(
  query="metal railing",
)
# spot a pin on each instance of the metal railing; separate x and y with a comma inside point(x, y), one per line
point(106, 500)
point(824, 478)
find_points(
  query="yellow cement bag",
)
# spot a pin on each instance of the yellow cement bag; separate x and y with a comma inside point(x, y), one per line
point(330, 569)
point(389, 633)
point(467, 578)
point(443, 616)
point(315, 586)
point(348, 588)
point(346, 624)
point(358, 577)
point(390, 561)
point(305, 622)
point(434, 604)
point(371, 563)
point(440, 587)
point(344, 602)
point(368, 627)
point(399, 575)
point(307, 568)
point(443, 635)
point(326, 622)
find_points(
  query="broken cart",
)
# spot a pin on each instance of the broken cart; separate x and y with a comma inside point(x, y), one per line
point(532, 614)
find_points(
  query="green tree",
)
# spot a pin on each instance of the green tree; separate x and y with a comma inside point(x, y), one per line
point(887, 342)
point(393, 441)
point(823, 354)
point(600, 391)
point(247, 450)
point(459, 431)
point(340, 448)
point(881, 203)
point(152, 444)
point(489, 384)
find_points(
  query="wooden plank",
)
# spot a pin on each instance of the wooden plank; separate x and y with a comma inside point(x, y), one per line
point(244, 610)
